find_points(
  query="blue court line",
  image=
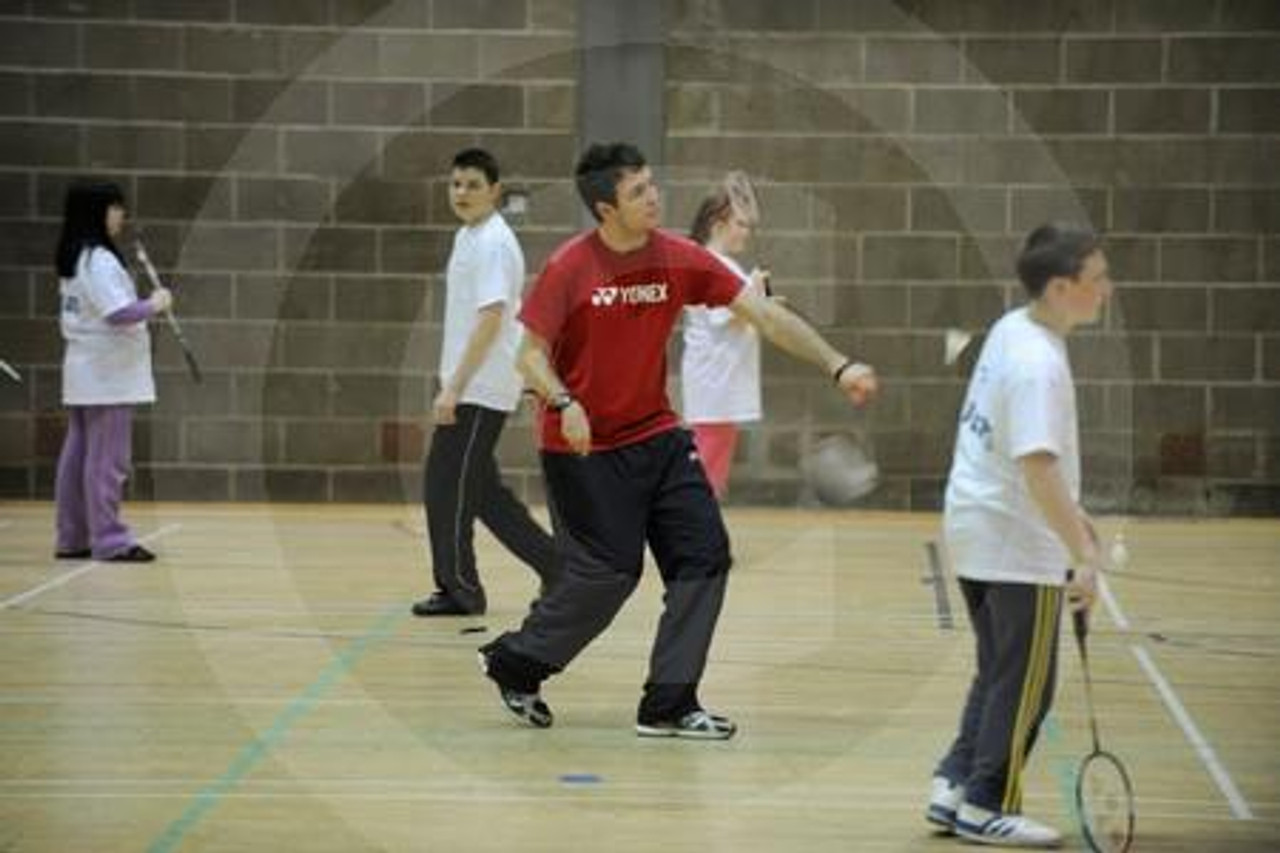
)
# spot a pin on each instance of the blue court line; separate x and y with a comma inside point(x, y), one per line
point(258, 748)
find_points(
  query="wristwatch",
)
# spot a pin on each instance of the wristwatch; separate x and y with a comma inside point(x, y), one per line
point(560, 402)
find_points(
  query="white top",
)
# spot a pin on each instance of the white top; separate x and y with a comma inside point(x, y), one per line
point(1021, 400)
point(720, 366)
point(104, 365)
point(485, 268)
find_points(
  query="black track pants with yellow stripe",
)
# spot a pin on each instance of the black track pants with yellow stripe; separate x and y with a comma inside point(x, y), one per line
point(1016, 628)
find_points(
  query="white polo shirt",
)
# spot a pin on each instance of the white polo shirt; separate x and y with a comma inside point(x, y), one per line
point(103, 364)
point(1021, 400)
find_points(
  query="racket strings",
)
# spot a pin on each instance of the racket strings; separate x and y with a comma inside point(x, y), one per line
point(1105, 801)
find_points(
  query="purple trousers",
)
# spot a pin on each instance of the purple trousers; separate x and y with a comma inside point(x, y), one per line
point(92, 468)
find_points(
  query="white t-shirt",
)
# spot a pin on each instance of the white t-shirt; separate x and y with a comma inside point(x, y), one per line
point(103, 364)
point(720, 366)
point(485, 268)
point(1021, 400)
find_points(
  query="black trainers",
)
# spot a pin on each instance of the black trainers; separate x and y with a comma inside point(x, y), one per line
point(441, 604)
point(695, 725)
point(132, 554)
point(528, 707)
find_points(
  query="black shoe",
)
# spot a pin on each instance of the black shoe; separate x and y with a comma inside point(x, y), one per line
point(77, 554)
point(133, 554)
point(440, 604)
point(695, 725)
point(528, 707)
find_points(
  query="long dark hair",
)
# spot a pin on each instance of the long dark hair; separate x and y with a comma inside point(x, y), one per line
point(84, 223)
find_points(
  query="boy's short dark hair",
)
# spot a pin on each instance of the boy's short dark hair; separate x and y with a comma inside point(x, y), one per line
point(478, 158)
point(1055, 249)
point(599, 170)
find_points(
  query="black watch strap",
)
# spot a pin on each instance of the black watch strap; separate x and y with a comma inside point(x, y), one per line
point(560, 402)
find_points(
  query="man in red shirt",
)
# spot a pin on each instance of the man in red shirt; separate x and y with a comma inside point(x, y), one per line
point(620, 470)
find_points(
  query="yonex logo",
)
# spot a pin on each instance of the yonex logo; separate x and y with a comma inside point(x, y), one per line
point(635, 294)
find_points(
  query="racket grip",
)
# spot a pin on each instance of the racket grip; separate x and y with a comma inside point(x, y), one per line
point(1079, 618)
point(1080, 623)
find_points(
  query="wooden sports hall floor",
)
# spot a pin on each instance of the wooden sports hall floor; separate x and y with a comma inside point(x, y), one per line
point(264, 687)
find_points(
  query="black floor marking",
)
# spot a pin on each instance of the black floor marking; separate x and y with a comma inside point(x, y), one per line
point(941, 601)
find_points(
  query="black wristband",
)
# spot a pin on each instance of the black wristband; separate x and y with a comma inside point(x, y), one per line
point(835, 377)
point(560, 402)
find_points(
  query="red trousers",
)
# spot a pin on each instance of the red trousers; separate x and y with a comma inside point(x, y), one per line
point(716, 443)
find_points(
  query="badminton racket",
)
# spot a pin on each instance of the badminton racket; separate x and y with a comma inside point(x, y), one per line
point(1104, 792)
point(840, 469)
point(742, 196)
point(193, 366)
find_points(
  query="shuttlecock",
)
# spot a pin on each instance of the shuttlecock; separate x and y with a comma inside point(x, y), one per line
point(8, 370)
point(954, 343)
point(1119, 554)
point(840, 471)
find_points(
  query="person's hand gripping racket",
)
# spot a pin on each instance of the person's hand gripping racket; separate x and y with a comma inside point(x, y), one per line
point(1082, 580)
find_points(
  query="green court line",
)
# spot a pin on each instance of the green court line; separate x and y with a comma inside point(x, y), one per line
point(1064, 771)
point(257, 749)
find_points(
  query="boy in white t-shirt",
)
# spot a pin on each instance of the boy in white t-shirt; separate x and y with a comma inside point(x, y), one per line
point(1013, 527)
point(479, 387)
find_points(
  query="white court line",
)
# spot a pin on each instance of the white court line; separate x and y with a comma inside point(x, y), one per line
point(67, 577)
point(1239, 805)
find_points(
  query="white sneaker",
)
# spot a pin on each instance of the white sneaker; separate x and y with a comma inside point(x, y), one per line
point(1003, 830)
point(944, 799)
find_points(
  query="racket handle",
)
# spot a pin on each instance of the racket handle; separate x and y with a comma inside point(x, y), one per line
point(1080, 623)
point(1079, 618)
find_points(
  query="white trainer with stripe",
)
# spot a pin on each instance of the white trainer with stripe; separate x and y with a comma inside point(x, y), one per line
point(1004, 830)
point(944, 800)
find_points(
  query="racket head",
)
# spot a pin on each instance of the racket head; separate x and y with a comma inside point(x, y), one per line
point(1104, 801)
point(742, 196)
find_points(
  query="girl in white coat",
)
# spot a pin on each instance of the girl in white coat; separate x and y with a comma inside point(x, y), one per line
point(106, 372)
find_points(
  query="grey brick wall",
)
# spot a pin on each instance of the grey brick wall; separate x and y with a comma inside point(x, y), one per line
point(285, 162)
point(902, 151)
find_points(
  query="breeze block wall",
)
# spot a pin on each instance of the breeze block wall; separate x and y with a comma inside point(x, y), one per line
point(285, 160)
point(903, 150)
point(286, 163)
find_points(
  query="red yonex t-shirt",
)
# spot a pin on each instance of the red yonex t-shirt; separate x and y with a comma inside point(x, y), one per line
point(607, 317)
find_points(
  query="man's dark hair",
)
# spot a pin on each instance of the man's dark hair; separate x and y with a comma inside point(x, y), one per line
point(1055, 249)
point(599, 170)
point(478, 158)
point(84, 223)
